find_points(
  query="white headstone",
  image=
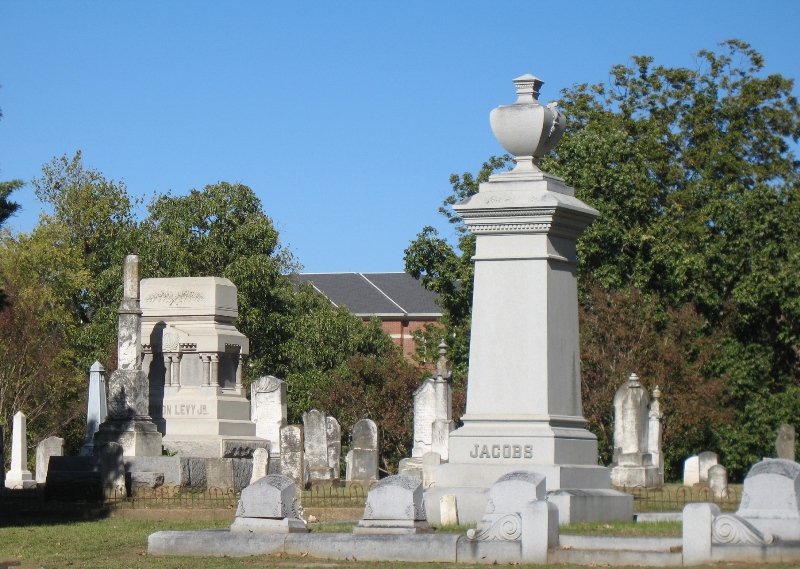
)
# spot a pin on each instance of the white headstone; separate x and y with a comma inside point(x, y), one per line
point(51, 446)
point(260, 464)
point(718, 481)
point(449, 509)
point(424, 416)
point(633, 463)
point(19, 476)
point(771, 498)
point(705, 461)
point(430, 462)
point(691, 471)
point(315, 433)
point(394, 505)
point(269, 505)
point(268, 409)
point(362, 459)
point(97, 408)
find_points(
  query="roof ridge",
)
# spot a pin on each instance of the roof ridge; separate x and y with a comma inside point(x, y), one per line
point(389, 298)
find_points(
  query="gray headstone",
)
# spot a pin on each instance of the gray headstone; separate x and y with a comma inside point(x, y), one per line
point(219, 473)
point(97, 408)
point(362, 465)
point(770, 498)
point(270, 497)
point(147, 479)
point(718, 481)
point(705, 461)
point(514, 489)
point(784, 443)
point(365, 434)
point(51, 446)
point(396, 498)
point(424, 417)
point(316, 438)
point(292, 455)
point(112, 470)
point(430, 462)
point(333, 433)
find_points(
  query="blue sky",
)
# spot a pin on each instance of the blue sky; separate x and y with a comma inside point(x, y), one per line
point(346, 118)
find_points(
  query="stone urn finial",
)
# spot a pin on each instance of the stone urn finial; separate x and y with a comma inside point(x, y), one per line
point(527, 129)
point(634, 380)
point(443, 367)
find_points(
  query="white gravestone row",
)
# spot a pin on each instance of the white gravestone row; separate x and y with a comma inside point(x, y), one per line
point(362, 459)
point(636, 464)
point(696, 468)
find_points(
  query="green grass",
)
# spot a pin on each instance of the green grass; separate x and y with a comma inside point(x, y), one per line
point(627, 529)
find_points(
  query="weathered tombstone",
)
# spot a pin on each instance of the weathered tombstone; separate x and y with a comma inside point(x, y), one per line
point(424, 416)
point(260, 464)
point(268, 409)
point(112, 469)
point(691, 471)
point(269, 505)
point(315, 435)
point(517, 510)
point(51, 446)
point(433, 412)
point(143, 479)
point(129, 422)
point(394, 505)
point(654, 430)
point(292, 456)
point(97, 408)
point(771, 498)
point(333, 433)
point(19, 477)
point(430, 462)
point(633, 463)
point(718, 481)
point(362, 459)
point(705, 461)
point(784, 442)
point(449, 509)
point(219, 473)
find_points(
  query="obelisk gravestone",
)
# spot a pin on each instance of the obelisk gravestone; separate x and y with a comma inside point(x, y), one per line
point(129, 423)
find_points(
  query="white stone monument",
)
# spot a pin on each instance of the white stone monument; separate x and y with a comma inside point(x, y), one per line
point(771, 498)
point(691, 471)
point(654, 433)
point(634, 465)
point(705, 461)
point(268, 410)
point(97, 407)
point(193, 357)
point(269, 506)
point(524, 409)
point(362, 458)
point(315, 436)
point(395, 505)
point(19, 477)
point(129, 423)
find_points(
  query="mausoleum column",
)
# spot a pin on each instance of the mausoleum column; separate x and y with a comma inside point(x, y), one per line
point(239, 370)
point(206, 359)
point(214, 370)
point(168, 371)
point(176, 369)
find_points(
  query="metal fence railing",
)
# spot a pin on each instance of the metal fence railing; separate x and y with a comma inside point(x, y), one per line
point(352, 495)
point(672, 498)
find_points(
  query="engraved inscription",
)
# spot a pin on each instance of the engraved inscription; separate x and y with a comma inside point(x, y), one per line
point(173, 298)
point(183, 409)
point(501, 451)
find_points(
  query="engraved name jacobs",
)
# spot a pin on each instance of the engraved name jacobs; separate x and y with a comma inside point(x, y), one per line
point(502, 451)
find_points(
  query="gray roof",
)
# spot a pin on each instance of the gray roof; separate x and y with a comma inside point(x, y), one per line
point(379, 294)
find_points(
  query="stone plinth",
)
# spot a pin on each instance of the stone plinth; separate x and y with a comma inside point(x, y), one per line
point(269, 506)
point(524, 409)
point(192, 355)
point(394, 505)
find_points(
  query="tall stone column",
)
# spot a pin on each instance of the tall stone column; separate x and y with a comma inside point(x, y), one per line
point(129, 423)
point(524, 407)
point(19, 477)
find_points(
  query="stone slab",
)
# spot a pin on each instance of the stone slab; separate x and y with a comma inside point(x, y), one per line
point(214, 543)
point(51, 446)
point(269, 525)
point(405, 548)
point(170, 466)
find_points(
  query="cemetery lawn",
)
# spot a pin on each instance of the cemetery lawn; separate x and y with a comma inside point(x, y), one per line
point(122, 543)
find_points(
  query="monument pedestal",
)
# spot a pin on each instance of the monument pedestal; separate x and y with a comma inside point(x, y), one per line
point(136, 437)
point(524, 409)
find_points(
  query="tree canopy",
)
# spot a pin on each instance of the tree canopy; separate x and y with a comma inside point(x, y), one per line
point(697, 188)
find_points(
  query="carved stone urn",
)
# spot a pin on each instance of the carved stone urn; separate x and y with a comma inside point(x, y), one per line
point(527, 129)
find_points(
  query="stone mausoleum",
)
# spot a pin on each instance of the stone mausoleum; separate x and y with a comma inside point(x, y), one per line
point(193, 357)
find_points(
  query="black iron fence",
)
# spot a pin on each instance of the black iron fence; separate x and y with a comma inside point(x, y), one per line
point(671, 498)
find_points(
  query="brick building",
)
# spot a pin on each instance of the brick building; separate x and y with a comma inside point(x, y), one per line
point(398, 300)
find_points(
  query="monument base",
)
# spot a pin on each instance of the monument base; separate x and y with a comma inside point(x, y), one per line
point(138, 437)
point(214, 446)
point(269, 525)
point(403, 527)
point(635, 477)
point(20, 481)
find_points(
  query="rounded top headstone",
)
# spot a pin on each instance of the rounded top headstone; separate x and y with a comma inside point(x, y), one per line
point(527, 129)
